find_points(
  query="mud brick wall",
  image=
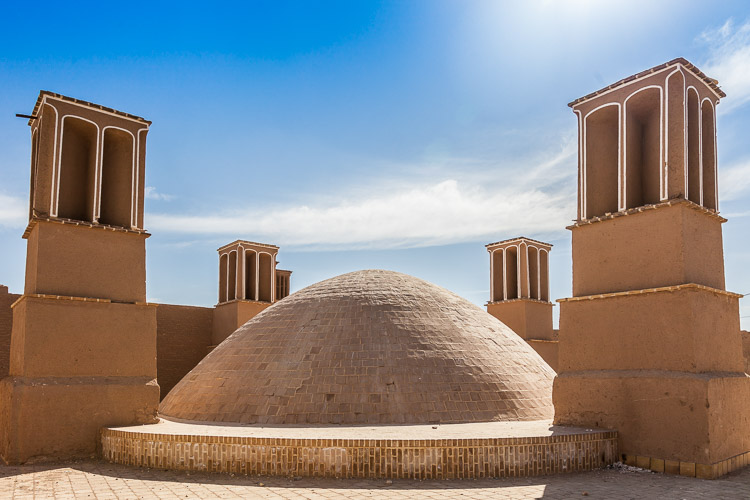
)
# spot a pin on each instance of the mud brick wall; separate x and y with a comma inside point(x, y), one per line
point(183, 334)
point(746, 349)
point(6, 325)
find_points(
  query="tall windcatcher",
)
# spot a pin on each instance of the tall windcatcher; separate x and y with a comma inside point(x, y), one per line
point(83, 344)
point(650, 341)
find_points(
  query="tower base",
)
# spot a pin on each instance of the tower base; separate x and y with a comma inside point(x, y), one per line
point(76, 365)
point(662, 366)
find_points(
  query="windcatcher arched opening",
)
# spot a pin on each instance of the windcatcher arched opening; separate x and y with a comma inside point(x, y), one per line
point(232, 279)
point(498, 266)
point(533, 273)
point(117, 178)
point(693, 146)
point(544, 275)
point(708, 152)
point(602, 159)
point(511, 272)
point(77, 170)
point(251, 275)
point(265, 278)
point(643, 148)
point(34, 160)
point(223, 268)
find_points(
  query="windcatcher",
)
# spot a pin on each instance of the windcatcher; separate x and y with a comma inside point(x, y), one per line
point(83, 344)
point(650, 341)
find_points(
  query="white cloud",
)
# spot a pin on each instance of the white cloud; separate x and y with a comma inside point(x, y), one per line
point(734, 181)
point(507, 202)
point(729, 62)
point(14, 211)
point(152, 194)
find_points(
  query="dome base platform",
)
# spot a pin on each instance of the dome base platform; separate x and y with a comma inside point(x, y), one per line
point(450, 451)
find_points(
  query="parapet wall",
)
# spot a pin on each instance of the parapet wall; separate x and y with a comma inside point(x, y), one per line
point(183, 334)
point(6, 325)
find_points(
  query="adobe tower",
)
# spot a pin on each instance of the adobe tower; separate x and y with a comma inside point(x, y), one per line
point(519, 292)
point(248, 283)
point(83, 344)
point(650, 341)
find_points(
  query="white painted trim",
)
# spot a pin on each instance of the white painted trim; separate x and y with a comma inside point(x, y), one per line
point(55, 154)
point(505, 277)
point(528, 273)
point(492, 275)
point(137, 190)
point(619, 153)
point(518, 270)
point(229, 274)
point(96, 160)
point(581, 192)
point(661, 143)
point(273, 278)
point(540, 273)
point(240, 248)
point(716, 160)
point(631, 82)
point(98, 190)
point(687, 142)
point(716, 167)
point(273, 259)
point(93, 108)
point(665, 194)
point(34, 170)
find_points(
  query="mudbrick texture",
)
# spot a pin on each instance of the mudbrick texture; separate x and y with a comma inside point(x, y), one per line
point(365, 458)
point(364, 348)
point(183, 334)
point(6, 325)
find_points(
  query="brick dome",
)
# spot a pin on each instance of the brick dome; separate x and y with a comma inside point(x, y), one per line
point(369, 347)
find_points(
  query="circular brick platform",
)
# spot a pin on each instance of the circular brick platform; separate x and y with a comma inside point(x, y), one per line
point(452, 451)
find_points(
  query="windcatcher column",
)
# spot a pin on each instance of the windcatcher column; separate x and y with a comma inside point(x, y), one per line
point(248, 283)
point(519, 292)
point(650, 341)
point(83, 344)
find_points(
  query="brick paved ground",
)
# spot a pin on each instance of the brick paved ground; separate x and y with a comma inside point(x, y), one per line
point(97, 479)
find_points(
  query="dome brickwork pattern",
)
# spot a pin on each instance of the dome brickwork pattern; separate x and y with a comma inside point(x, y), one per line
point(369, 347)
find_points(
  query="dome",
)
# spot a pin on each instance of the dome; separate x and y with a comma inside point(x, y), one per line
point(369, 347)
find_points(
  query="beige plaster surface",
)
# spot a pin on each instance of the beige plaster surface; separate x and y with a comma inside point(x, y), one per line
point(477, 430)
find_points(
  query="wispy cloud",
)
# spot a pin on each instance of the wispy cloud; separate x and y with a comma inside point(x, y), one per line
point(729, 61)
point(504, 202)
point(13, 211)
point(734, 182)
point(152, 194)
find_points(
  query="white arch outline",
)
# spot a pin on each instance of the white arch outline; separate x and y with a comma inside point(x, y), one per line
point(687, 145)
point(665, 194)
point(273, 275)
point(716, 166)
point(661, 142)
point(98, 202)
point(540, 274)
point(59, 164)
point(229, 256)
point(34, 171)
point(619, 153)
point(581, 190)
point(137, 190)
point(55, 155)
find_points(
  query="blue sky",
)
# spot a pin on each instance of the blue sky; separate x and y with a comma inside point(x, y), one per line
point(402, 135)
